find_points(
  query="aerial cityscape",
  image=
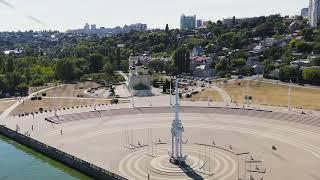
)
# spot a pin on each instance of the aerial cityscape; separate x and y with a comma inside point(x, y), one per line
point(202, 90)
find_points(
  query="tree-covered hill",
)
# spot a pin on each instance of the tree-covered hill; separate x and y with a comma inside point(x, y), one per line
point(53, 56)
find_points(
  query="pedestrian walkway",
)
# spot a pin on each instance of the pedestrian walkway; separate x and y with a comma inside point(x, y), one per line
point(8, 111)
point(226, 97)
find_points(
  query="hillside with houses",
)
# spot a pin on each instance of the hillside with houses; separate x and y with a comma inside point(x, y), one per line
point(282, 48)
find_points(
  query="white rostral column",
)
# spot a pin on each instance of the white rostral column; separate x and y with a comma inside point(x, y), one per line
point(176, 131)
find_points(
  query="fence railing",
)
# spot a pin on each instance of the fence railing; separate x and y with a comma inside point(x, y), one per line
point(56, 154)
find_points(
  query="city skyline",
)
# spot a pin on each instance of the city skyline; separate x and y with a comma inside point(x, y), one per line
point(63, 15)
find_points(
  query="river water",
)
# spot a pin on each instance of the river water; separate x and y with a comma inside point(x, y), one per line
point(20, 163)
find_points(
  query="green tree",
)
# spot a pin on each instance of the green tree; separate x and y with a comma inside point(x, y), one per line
point(82, 51)
point(4, 86)
point(307, 34)
point(304, 47)
point(166, 86)
point(264, 30)
point(293, 43)
point(157, 65)
point(167, 28)
point(169, 67)
point(82, 67)
point(288, 72)
point(118, 59)
point(124, 66)
point(315, 62)
point(268, 67)
point(230, 39)
point(10, 65)
point(222, 65)
point(65, 70)
point(219, 67)
point(96, 62)
point(2, 64)
point(14, 79)
point(316, 48)
point(219, 23)
point(311, 75)
point(182, 60)
point(23, 89)
point(238, 62)
point(274, 53)
point(245, 70)
point(108, 68)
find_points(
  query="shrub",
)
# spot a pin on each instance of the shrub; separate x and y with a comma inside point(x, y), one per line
point(311, 75)
point(195, 92)
point(114, 101)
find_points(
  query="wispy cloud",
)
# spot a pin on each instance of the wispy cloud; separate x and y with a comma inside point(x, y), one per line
point(32, 18)
point(36, 20)
point(7, 4)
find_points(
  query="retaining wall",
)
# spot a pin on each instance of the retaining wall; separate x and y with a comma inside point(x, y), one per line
point(67, 159)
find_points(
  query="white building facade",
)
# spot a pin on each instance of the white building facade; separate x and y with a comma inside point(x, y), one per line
point(139, 80)
point(305, 12)
point(188, 22)
point(314, 12)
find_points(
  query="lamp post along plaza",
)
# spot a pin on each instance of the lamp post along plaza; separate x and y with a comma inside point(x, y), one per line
point(176, 130)
point(170, 91)
point(289, 95)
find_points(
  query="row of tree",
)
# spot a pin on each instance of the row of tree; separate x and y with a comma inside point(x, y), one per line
point(18, 73)
point(307, 75)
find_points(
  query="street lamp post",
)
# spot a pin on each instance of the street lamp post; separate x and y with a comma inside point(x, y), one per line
point(238, 168)
point(247, 93)
point(289, 96)
point(170, 91)
point(132, 101)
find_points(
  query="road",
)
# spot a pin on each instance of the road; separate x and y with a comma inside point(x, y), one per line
point(277, 82)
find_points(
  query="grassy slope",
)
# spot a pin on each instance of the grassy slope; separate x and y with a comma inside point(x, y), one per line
point(274, 94)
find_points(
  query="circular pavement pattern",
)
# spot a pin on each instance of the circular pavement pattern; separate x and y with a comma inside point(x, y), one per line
point(209, 163)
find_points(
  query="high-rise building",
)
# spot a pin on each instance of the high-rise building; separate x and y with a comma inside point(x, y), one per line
point(139, 27)
point(305, 12)
point(93, 27)
point(135, 27)
point(231, 22)
point(87, 27)
point(187, 22)
point(199, 23)
point(314, 12)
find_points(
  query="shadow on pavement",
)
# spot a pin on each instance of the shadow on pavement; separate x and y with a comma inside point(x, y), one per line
point(190, 172)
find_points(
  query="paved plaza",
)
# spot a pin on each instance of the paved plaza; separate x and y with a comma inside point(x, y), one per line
point(221, 142)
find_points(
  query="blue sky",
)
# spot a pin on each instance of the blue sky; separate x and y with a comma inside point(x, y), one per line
point(70, 14)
